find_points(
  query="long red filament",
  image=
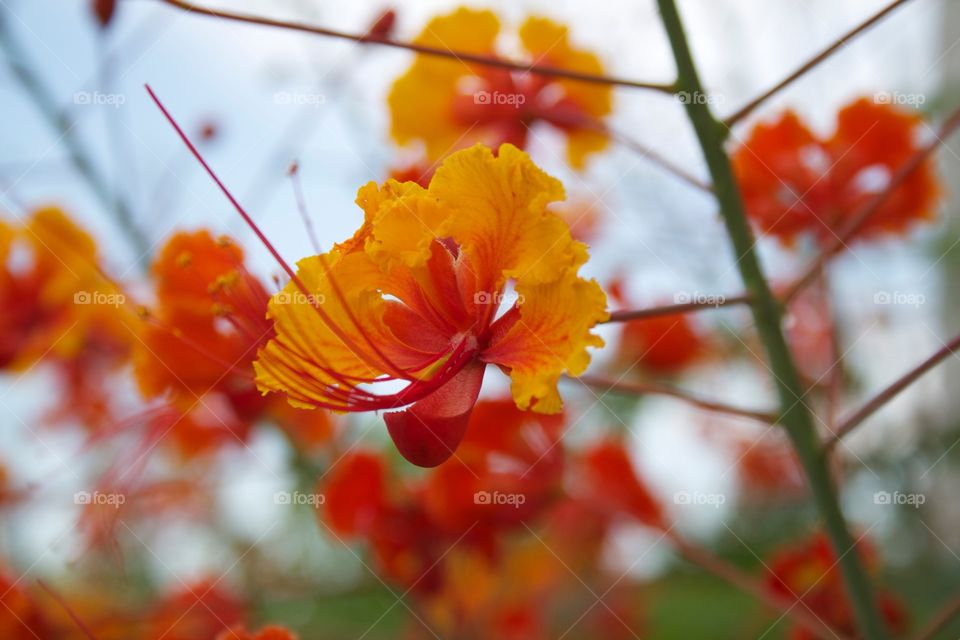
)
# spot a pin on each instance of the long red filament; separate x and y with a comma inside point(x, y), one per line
point(256, 230)
point(349, 397)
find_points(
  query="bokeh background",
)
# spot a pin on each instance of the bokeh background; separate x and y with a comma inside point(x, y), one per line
point(273, 97)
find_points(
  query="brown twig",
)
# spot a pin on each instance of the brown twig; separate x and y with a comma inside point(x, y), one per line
point(714, 302)
point(795, 609)
point(645, 388)
point(68, 609)
point(939, 621)
point(667, 165)
point(490, 61)
point(889, 393)
point(747, 109)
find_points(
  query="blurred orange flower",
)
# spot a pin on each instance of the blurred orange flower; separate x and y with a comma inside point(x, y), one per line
point(450, 104)
point(415, 297)
point(457, 537)
point(60, 308)
point(664, 344)
point(21, 616)
point(794, 182)
point(809, 571)
point(198, 344)
point(608, 482)
point(507, 452)
point(199, 610)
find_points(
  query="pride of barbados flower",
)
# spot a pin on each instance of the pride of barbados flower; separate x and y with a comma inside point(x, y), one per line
point(449, 104)
point(417, 298)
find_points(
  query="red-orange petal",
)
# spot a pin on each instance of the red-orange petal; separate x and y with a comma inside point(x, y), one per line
point(429, 432)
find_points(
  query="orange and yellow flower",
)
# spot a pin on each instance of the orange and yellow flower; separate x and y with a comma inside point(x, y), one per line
point(449, 104)
point(415, 296)
point(794, 182)
point(60, 308)
point(199, 341)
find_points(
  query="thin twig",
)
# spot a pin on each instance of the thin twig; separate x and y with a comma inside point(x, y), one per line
point(889, 393)
point(747, 109)
point(709, 302)
point(489, 61)
point(939, 621)
point(645, 388)
point(795, 609)
point(667, 165)
point(68, 609)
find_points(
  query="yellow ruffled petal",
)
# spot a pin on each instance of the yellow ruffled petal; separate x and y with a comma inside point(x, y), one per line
point(403, 222)
point(299, 359)
point(498, 215)
point(550, 338)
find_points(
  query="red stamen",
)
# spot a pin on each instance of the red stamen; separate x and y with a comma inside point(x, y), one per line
point(256, 230)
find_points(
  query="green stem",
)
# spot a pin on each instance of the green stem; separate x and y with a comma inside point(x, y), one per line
point(795, 415)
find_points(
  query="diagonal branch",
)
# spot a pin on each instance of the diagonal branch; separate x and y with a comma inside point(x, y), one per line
point(370, 38)
point(709, 302)
point(841, 42)
point(888, 394)
point(645, 388)
point(795, 609)
point(940, 620)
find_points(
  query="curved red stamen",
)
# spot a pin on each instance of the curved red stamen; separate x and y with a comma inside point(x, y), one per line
point(337, 331)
